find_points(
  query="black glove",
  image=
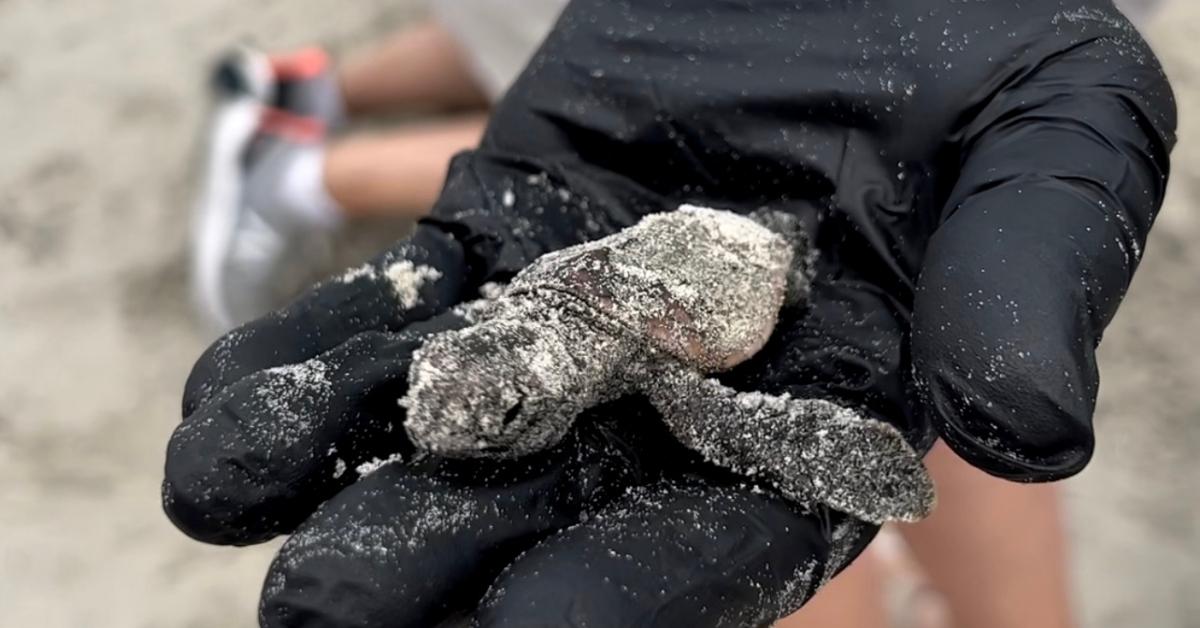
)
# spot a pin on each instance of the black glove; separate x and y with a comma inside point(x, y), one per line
point(978, 179)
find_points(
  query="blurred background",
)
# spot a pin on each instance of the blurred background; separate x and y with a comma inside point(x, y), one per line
point(101, 105)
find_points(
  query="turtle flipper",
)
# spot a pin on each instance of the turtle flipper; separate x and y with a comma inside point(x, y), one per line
point(813, 451)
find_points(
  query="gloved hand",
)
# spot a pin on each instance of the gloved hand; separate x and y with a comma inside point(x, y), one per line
point(978, 179)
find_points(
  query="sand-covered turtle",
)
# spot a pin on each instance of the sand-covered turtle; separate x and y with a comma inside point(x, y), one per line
point(655, 309)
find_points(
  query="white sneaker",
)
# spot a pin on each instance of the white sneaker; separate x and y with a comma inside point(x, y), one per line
point(243, 235)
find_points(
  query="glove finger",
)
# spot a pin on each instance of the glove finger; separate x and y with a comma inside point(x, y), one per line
point(260, 456)
point(412, 281)
point(1006, 364)
point(676, 554)
point(1044, 231)
point(400, 548)
point(415, 543)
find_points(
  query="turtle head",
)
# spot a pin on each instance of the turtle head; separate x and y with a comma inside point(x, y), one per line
point(496, 389)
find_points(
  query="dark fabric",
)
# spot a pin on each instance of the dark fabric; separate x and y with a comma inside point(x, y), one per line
point(978, 178)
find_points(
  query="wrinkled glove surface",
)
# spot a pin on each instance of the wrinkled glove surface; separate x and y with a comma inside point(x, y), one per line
point(979, 178)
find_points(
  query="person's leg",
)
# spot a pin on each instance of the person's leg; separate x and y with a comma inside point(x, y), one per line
point(420, 68)
point(854, 599)
point(397, 173)
point(995, 549)
point(394, 173)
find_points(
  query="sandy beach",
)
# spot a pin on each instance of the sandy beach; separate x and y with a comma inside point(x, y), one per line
point(101, 105)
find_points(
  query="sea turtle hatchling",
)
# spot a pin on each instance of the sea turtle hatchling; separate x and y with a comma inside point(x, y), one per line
point(653, 309)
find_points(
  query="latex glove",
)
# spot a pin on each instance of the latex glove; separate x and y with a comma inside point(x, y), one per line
point(979, 180)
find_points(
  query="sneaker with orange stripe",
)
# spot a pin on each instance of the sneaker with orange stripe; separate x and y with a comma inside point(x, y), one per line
point(270, 121)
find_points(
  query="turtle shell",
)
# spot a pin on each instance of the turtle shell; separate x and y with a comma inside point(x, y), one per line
point(702, 285)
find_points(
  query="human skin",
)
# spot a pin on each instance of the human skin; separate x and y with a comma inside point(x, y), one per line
point(991, 576)
point(399, 171)
point(988, 574)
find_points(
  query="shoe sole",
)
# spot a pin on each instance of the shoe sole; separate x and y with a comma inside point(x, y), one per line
point(242, 85)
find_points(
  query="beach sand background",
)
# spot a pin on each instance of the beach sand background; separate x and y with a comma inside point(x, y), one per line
point(100, 106)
